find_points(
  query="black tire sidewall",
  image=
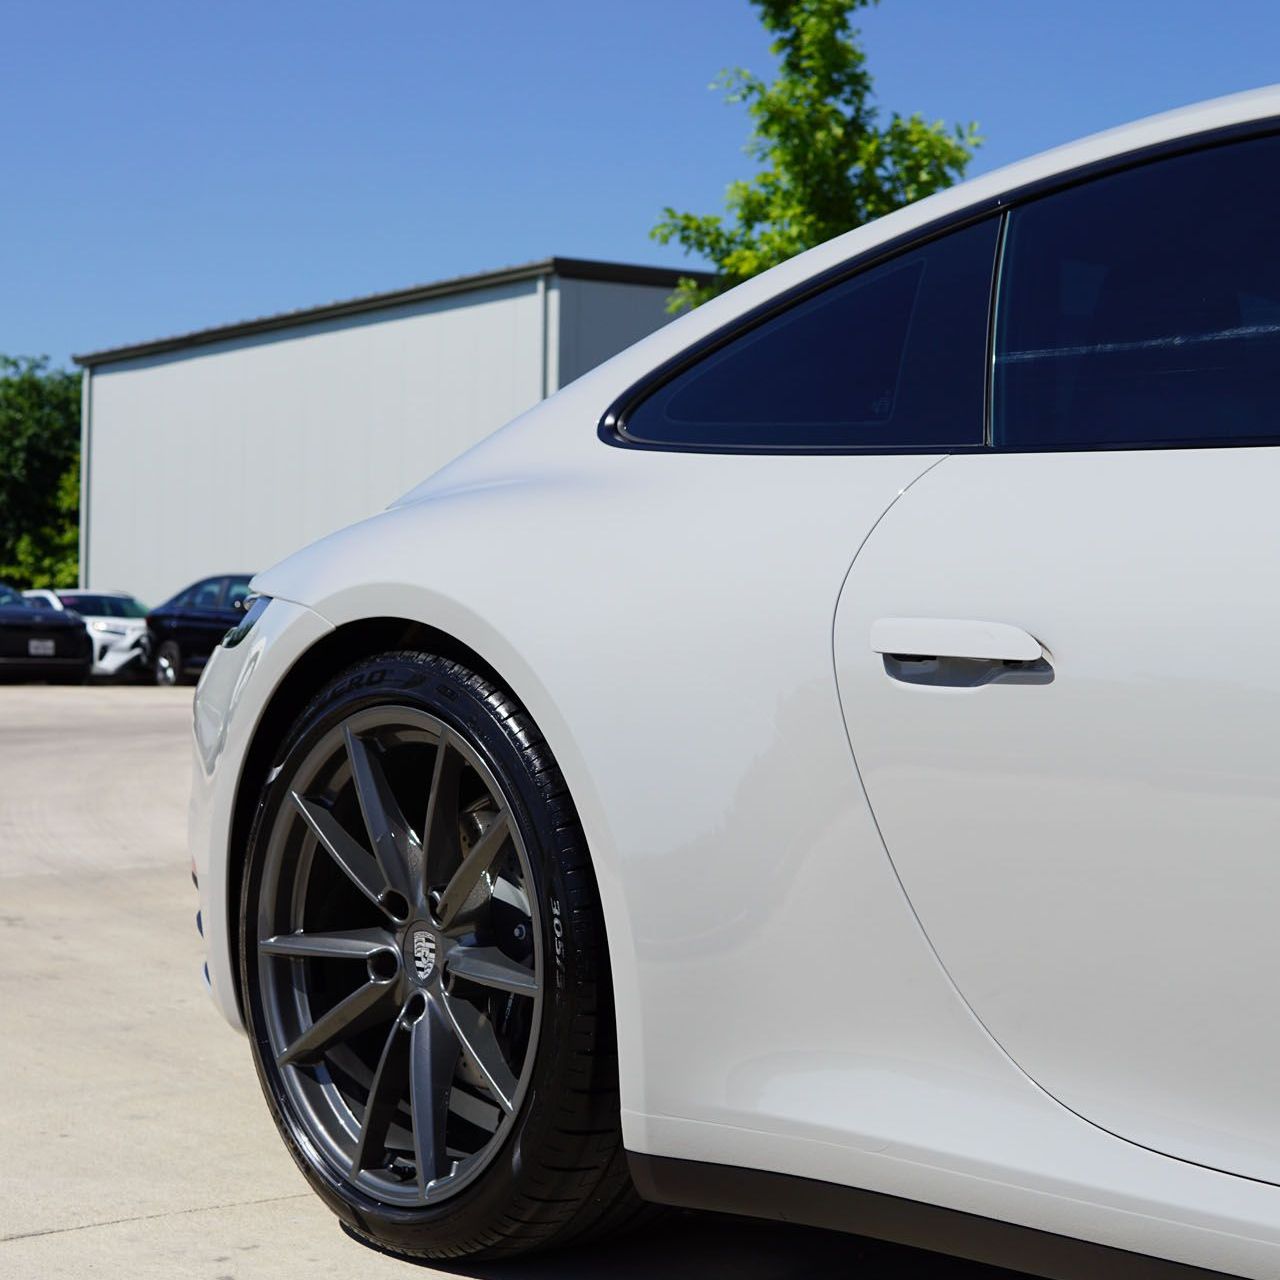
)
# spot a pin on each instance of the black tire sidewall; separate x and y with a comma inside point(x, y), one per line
point(467, 705)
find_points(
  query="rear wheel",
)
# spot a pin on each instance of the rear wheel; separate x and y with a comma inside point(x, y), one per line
point(168, 667)
point(424, 969)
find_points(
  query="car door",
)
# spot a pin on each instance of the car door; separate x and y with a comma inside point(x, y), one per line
point(203, 622)
point(165, 621)
point(1057, 662)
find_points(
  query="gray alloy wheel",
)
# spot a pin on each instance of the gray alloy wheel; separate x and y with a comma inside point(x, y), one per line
point(425, 973)
point(168, 668)
point(400, 975)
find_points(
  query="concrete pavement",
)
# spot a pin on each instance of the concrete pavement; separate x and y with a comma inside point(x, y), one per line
point(133, 1138)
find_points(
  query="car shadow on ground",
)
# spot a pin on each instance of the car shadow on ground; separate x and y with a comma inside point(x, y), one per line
point(694, 1246)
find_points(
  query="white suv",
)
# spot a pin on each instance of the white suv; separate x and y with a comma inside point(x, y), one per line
point(117, 625)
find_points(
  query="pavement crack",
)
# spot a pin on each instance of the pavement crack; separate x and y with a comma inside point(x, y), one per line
point(147, 1217)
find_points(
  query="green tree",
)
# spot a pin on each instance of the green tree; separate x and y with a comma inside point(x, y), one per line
point(39, 473)
point(828, 162)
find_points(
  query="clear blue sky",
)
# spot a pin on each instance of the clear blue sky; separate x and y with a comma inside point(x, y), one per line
point(169, 166)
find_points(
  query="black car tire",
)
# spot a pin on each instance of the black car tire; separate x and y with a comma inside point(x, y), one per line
point(168, 664)
point(560, 1173)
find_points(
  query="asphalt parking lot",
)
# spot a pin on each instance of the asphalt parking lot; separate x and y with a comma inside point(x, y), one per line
point(133, 1141)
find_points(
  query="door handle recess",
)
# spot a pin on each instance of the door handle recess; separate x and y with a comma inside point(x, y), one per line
point(954, 638)
point(957, 653)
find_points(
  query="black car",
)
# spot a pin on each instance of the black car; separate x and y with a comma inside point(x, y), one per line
point(39, 643)
point(187, 629)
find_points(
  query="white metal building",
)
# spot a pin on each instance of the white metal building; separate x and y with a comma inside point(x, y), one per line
point(222, 451)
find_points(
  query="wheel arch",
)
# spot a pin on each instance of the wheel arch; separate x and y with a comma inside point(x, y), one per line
point(323, 660)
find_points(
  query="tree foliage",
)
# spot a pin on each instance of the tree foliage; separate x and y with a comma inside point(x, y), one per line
point(39, 473)
point(828, 162)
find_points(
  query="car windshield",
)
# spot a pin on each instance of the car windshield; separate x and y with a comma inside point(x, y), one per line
point(103, 606)
point(9, 598)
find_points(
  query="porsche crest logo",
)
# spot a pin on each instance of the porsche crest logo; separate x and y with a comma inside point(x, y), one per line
point(424, 954)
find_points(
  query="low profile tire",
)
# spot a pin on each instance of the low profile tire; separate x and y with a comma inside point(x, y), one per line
point(168, 665)
point(424, 970)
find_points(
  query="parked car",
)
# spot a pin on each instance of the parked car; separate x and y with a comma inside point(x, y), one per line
point(40, 643)
point(117, 625)
point(824, 763)
point(186, 629)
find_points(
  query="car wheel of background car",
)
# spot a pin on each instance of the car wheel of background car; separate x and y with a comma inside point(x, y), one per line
point(424, 970)
point(168, 668)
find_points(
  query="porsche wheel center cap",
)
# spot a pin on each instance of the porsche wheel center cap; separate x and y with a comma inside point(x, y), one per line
point(421, 952)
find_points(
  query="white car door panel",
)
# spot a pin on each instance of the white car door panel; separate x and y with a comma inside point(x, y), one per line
point(1090, 834)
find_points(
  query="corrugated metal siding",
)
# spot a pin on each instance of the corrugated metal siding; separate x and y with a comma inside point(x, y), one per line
point(228, 457)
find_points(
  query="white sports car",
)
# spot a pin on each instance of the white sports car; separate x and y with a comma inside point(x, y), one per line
point(824, 763)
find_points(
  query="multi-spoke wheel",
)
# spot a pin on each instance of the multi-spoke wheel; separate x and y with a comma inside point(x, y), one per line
point(424, 970)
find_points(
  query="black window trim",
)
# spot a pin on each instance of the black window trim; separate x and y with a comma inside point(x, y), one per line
point(612, 427)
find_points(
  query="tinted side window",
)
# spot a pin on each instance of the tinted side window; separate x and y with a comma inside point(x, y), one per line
point(1144, 308)
point(892, 357)
point(206, 595)
point(99, 606)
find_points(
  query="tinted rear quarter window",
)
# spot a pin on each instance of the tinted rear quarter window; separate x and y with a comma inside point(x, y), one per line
point(1143, 308)
point(892, 357)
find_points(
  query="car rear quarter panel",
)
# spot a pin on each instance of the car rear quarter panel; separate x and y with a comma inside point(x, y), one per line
point(667, 621)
